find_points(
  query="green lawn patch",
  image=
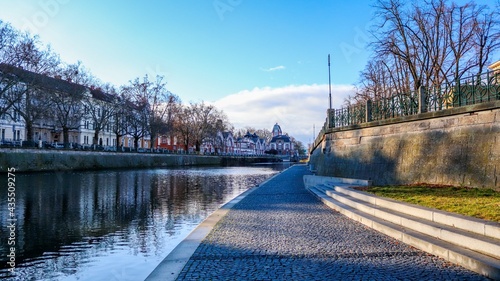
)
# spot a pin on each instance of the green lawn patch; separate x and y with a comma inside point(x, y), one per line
point(473, 202)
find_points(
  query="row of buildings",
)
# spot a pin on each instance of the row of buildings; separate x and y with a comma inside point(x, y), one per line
point(226, 143)
point(44, 130)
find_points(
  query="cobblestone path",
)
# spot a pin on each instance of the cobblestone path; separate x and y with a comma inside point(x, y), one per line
point(282, 232)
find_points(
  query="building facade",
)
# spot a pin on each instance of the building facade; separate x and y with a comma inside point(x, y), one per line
point(47, 127)
point(282, 144)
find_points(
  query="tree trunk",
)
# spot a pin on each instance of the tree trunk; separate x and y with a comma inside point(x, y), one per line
point(186, 144)
point(96, 137)
point(136, 143)
point(29, 131)
point(198, 146)
point(66, 137)
point(153, 141)
point(118, 142)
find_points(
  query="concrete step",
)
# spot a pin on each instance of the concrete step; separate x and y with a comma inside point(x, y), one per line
point(466, 241)
point(473, 241)
point(478, 226)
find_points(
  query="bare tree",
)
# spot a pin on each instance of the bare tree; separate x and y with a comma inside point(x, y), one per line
point(265, 134)
point(298, 146)
point(29, 53)
point(77, 73)
point(8, 37)
point(68, 110)
point(158, 105)
point(137, 121)
point(7, 80)
point(28, 69)
point(486, 36)
point(206, 118)
point(399, 38)
point(31, 97)
point(184, 125)
point(100, 109)
point(198, 123)
point(460, 28)
point(427, 43)
point(21, 56)
point(10, 89)
point(120, 119)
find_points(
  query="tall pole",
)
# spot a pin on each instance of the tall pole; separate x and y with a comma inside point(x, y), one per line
point(329, 83)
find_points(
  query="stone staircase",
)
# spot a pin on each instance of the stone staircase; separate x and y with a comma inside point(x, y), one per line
point(469, 242)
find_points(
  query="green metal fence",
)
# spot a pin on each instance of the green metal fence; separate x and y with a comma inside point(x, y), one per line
point(470, 90)
point(466, 91)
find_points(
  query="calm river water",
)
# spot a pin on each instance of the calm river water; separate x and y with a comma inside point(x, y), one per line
point(111, 225)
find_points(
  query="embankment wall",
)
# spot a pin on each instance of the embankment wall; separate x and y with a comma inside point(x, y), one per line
point(458, 146)
point(24, 160)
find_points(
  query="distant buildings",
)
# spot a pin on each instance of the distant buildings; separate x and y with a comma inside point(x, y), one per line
point(250, 144)
point(280, 143)
point(46, 110)
point(495, 67)
point(50, 111)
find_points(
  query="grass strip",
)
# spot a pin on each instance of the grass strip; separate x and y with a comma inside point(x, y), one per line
point(473, 202)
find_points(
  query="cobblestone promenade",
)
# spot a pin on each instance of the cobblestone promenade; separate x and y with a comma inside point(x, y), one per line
point(281, 232)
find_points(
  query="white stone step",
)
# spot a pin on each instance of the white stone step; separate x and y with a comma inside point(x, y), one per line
point(474, 261)
point(462, 238)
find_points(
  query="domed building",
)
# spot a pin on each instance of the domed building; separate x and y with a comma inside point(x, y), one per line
point(281, 143)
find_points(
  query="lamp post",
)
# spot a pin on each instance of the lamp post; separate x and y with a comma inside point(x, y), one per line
point(329, 83)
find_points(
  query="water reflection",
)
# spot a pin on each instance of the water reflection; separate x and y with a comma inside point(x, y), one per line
point(111, 225)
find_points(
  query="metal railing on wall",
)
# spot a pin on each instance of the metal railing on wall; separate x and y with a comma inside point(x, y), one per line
point(475, 89)
point(470, 90)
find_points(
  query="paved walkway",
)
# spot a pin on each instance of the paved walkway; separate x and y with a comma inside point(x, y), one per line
point(282, 232)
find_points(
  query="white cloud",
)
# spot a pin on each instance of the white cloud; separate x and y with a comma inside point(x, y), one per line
point(295, 107)
point(279, 67)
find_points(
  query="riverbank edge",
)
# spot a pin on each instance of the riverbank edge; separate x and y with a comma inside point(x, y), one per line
point(171, 266)
point(25, 160)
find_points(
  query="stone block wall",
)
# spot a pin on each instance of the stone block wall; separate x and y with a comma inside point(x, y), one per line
point(458, 147)
point(41, 160)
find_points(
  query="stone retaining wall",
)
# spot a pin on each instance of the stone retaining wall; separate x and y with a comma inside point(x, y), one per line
point(458, 149)
point(39, 160)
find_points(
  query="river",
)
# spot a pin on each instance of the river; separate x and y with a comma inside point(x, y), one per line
point(109, 225)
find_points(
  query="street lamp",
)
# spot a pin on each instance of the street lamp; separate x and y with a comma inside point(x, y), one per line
point(329, 83)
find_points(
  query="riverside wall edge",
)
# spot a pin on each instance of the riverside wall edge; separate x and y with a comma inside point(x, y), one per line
point(43, 161)
point(455, 149)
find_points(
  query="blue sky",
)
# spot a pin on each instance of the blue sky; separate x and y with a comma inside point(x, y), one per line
point(260, 61)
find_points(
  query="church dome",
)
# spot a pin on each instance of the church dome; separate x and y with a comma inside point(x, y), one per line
point(277, 130)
